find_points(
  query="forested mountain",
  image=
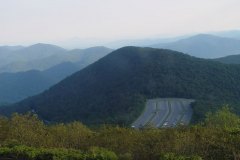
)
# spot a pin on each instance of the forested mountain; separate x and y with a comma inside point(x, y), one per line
point(114, 89)
point(43, 56)
point(204, 46)
point(232, 59)
point(17, 86)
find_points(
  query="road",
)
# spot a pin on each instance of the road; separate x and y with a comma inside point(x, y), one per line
point(165, 112)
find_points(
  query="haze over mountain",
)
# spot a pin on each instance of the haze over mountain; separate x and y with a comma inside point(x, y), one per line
point(204, 46)
point(84, 43)
point(37, 51)
point(17, 86)
point(229, 34)
point(9, 48)
point(42, 57)
point(115, 88)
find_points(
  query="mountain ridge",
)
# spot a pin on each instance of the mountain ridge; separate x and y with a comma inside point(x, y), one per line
point(19, 85)
point(43, 56)
point(204, 46)
point(115, 88)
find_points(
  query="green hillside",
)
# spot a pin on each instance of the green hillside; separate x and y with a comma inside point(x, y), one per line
point(114, 89)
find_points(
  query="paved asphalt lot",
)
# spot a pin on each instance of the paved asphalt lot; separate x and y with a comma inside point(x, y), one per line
point(165, 112)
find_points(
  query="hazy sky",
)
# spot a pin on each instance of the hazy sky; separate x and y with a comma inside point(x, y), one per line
point(50, 20)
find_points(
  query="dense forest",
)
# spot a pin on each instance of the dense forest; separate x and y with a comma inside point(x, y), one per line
point(114, 89)
point(232, 59)
point(28, 138)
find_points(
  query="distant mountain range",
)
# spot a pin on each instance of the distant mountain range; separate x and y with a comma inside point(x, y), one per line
point(25, 54)
point(141, 42)
point(204, 46)
point(229, 34)
point(83, 43)
point(19, 85)
point(115, 88)
point(78, 42)
point(42, 56)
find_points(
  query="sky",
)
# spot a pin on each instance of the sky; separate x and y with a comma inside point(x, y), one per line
point(24, 21)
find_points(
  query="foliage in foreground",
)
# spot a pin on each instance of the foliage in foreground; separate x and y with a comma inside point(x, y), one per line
point(30, 153)
point(218, 137)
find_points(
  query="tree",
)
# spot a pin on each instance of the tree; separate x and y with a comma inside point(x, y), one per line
point(223, 118)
